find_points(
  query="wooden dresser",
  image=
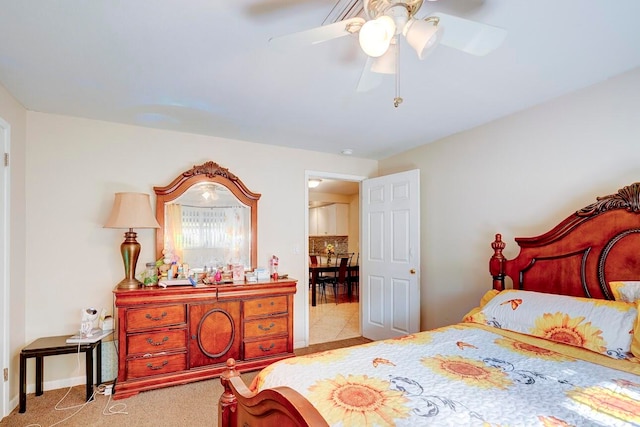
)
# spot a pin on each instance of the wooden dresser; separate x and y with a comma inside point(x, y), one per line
point(181, 334)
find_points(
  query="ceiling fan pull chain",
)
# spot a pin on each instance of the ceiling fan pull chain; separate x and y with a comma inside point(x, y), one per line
point(398, 99)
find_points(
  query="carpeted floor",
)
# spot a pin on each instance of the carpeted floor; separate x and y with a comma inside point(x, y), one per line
point(194, 404)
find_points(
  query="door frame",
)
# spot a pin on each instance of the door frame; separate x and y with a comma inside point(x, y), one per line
point(328, 175)
point(5, 139)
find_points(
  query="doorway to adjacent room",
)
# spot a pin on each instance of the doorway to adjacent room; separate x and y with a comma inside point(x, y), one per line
point(333, 231)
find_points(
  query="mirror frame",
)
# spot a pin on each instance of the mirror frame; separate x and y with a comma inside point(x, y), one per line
point(207, 172)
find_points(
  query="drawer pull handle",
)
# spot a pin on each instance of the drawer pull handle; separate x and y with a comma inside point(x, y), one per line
point(260, 304)
point(162, 316)
point(267, 349)
point(155, 368)
point(268, 328)
point(164, 340)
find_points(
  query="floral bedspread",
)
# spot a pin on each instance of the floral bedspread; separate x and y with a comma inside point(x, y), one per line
point(463, 375)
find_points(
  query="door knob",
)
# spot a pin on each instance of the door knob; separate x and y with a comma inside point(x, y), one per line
point(412, 271)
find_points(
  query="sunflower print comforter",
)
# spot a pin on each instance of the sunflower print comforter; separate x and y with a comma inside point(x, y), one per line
point(463, 375)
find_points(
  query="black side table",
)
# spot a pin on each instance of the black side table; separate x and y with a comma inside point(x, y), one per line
point(52, 346)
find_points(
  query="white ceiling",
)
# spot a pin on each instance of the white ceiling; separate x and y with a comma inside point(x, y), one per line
point(205, 67)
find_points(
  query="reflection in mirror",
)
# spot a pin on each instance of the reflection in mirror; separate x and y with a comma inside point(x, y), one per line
point(207, 218)
point(208, 227)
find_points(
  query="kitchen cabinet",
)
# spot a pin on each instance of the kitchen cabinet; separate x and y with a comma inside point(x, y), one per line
point(329, 220)
point(313, 221)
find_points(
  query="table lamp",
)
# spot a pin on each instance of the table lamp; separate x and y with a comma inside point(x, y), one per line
point(131, 210)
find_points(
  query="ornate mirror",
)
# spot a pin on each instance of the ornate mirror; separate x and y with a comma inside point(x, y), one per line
point(207, 217)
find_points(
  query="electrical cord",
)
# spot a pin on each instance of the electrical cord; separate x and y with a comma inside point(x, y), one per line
point(104, 389)
point(116, 408)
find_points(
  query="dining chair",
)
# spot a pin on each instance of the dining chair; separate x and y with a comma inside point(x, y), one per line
point(320, 281)
point(344, 255)
point(341, 277)
point(354, 276)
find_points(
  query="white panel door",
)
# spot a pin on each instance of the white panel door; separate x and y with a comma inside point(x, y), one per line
point(390, 271)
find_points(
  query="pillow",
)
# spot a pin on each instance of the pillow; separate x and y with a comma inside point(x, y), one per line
point(598, 325)
point(488, 296)
point(625, 291)
point(635, 343)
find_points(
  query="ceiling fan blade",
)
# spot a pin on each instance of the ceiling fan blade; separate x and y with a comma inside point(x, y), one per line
point(369, 79)
point(318, 34)
point(387, 63)
point(470, 36)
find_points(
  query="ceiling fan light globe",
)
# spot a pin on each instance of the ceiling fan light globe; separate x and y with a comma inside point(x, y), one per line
point(375, 36)
point(386, 64)
point(421, 35)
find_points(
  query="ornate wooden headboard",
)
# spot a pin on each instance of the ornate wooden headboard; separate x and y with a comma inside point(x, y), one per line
point(595, 245)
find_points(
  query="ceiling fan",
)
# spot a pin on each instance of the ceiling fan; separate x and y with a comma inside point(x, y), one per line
point(386, 23)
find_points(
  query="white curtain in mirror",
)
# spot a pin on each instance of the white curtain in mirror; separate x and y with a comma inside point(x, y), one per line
point(208, 236)
point(173, 227)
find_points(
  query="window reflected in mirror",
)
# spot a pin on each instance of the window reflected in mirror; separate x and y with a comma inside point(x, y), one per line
point(208, 227)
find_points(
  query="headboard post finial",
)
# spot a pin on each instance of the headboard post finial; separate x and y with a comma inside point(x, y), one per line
point(228, 403)
point(496, 264)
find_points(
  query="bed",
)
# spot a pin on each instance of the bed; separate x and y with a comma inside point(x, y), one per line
point(555, 342)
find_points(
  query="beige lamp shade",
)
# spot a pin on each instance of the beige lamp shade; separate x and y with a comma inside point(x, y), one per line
point(131, 210)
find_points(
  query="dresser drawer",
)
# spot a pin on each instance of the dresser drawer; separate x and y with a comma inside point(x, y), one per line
point(266, 326)
point(156, 316)
point(156, 365)
point(155, 342)
point(265, 348)
point(265, 306)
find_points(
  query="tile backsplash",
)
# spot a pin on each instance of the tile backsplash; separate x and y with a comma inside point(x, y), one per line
point(317, 244)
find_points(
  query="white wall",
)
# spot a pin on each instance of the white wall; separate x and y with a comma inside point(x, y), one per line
point(518, 176)
point(74, 167)
point(14, 114)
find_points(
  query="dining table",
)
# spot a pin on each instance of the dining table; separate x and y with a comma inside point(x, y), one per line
point(316, 269)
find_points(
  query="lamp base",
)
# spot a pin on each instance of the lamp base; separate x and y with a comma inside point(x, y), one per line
point(127, 283)
point(130, 250)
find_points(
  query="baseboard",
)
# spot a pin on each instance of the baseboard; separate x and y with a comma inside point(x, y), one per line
point(56, 384)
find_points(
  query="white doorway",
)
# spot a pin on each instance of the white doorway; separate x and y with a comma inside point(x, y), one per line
point(389, 261)
point(4, 267)
point(328, 321)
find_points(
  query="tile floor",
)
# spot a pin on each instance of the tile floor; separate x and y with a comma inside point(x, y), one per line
point(329, 321)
